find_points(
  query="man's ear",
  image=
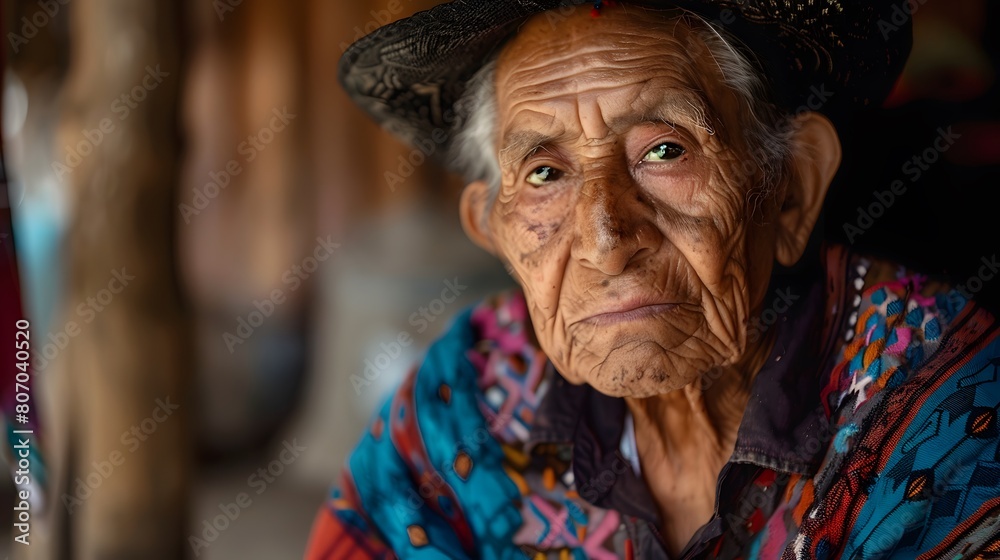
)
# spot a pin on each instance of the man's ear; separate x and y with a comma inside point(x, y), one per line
point(816, 155)
point(473, 209)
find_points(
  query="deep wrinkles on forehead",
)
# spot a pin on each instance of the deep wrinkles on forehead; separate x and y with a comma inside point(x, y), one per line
point(608, 50)
point(539, 66)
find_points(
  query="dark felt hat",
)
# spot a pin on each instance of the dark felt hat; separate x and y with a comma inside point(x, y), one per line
point(408, 74)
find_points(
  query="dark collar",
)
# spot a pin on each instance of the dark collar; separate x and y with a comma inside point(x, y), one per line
point(784, 417)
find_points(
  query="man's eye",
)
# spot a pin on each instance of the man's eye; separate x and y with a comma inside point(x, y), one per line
point(664, 152)
point(542, 175)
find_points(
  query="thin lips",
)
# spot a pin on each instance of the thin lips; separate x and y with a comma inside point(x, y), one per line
point(630, 311)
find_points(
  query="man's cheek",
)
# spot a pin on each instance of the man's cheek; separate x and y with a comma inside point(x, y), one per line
point(727, 198)
point(730, 328)
point(561, 343)
point(553, 345)
point(717, 257)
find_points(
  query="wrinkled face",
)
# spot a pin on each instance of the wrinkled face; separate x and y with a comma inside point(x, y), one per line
point(623, 210)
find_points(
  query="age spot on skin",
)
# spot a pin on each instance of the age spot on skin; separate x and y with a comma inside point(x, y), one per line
point(543, 231)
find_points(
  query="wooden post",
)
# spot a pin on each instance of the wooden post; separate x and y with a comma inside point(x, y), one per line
point(126, 370)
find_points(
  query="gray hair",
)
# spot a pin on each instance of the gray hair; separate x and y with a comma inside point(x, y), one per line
point(767, 131)
point(473, 149)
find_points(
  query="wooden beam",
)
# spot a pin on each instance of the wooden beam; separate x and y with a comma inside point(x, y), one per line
point(127, 370)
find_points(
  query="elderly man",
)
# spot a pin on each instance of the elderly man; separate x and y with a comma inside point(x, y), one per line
point(683, 373)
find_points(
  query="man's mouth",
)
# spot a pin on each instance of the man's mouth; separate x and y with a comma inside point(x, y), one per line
point(632, 311)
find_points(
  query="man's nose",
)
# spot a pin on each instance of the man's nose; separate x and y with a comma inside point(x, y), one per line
point(614, 225)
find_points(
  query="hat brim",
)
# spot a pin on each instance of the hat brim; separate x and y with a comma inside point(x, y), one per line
point(409, 74)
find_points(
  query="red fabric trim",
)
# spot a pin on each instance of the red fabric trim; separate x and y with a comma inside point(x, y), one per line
point(331, 539)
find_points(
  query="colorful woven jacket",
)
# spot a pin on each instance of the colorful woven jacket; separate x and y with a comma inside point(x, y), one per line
point(871, 432)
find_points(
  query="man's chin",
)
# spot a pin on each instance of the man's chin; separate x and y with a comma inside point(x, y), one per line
point(636, 379)
point(638, 390)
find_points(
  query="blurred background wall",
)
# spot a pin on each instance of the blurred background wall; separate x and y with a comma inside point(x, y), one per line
point(270, 243)
point(205, 152)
